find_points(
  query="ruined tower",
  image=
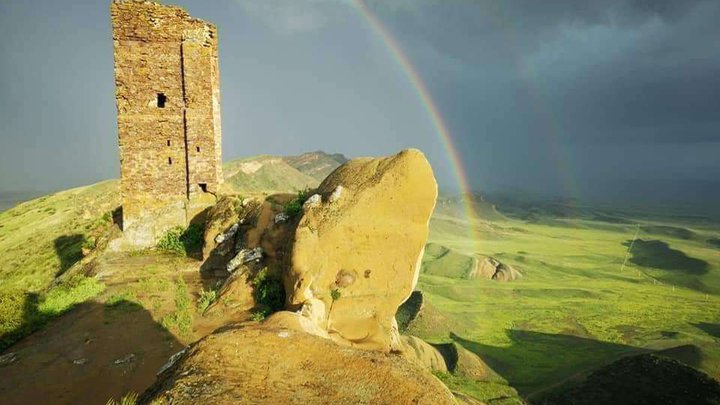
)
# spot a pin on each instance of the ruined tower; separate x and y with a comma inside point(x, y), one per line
point(168, 112)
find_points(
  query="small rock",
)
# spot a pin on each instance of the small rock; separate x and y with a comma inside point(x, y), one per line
point(172, 360)
point(227, 235)
point(125, 359)
point(246, 202)
point(336, 194)
point(283, 334)
point(281, 218)
point(80, 362)
point(244, 256)
point(311, 202)
point(8, 358)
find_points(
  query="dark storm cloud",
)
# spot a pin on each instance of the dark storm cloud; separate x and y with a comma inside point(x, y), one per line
point(600, 71)
point(550, 96)
point(524, 24)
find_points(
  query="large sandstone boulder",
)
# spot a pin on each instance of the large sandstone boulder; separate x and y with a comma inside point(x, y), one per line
point(265, 364)
point(358, 246)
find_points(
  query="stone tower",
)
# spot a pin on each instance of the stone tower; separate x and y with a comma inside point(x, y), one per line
point(168, 112)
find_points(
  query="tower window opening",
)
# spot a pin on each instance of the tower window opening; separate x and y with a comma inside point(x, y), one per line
point(169, 160)
point(197, 148)
point(203, 187)
point(161, 99)
point(168, 142)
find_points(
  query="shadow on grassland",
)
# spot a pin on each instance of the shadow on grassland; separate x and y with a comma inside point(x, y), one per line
point(89, 354)
point(537, 361)
point(659, 255)
point(68, 249)
point(712, 329)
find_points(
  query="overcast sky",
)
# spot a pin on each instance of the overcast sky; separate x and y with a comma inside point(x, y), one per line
point(577, 98)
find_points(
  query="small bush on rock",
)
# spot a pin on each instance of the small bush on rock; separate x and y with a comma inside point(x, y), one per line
point(269, 294)
point(182, 241)
point(294, 207)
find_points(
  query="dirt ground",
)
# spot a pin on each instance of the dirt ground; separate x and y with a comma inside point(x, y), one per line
point(99, 351)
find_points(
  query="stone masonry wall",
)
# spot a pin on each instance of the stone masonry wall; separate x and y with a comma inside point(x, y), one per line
point(168, 106)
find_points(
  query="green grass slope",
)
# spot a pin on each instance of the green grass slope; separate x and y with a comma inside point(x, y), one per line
point(441, 261)
point(40, 240)
point(577, 307)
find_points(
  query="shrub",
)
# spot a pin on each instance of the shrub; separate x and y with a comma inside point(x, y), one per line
point(107, 217)
point(237, 205)
point(170, 241)
point(294, 207)
point(259, 315)
point(269, 294)
point(335, 294)
point(89, 243)
point(129, 399)
point(192, 238)
point(207, 297)
point(182, 241)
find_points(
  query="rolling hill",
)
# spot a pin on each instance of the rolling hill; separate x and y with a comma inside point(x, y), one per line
point(279, 174)
point(577, 308)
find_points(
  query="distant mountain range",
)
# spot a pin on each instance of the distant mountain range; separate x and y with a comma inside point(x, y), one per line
point(282, 174)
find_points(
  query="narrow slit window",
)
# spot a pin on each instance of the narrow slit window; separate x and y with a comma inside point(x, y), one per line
point(203, 187)
point(197, 148)
point(161, 99)
point(168, 142)
point(169, 160)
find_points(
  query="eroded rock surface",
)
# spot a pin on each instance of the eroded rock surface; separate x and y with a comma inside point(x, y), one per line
point(358, 250)
point(273, 365)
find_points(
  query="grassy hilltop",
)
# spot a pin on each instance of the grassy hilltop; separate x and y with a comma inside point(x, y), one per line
point(576, 308)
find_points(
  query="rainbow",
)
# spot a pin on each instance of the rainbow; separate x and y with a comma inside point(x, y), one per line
point(429, 105)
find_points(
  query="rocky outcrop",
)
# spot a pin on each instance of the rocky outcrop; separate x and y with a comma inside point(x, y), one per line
point(241, 240)
point(491, 268)
point(273, 365)
point(354, 256)
point(464, 363)
point(446, 357)
point(358, 250)
point(442, 261)
point(422, 353)
point(221, 227)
